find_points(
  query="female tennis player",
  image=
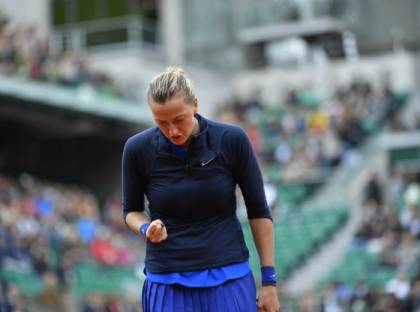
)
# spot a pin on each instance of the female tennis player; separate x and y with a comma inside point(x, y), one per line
point(188, 168)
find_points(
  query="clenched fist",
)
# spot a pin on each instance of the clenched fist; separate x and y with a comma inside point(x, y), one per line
point(156, 232)
point(268, 300)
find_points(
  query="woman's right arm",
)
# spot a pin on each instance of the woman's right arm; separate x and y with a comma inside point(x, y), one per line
point(156, 231)
point(133, 197)
point(135, 220)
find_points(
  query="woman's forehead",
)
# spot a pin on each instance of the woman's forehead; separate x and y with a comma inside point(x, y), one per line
point(170, 109)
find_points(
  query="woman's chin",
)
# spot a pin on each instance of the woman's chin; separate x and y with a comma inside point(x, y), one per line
point(179, 141)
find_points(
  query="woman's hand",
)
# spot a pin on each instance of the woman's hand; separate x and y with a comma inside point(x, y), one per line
point(268, 300)
point(156, 232)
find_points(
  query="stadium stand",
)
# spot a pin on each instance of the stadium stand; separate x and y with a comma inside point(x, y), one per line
point(298, 235)
point(381, 267)
point(43, 274)
point(316, 137)
point(382, 254)
point(23, 54)
point(59, 244)
point(300, 143)
point(303, 138)
point(54, 240)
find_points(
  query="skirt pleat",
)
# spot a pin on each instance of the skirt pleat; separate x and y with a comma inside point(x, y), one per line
point(145, 295)
point(236, 295)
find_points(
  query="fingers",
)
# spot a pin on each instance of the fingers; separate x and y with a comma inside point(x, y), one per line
point(268, 300)
point(156, 232)
point(269, 307)
point(262, 309)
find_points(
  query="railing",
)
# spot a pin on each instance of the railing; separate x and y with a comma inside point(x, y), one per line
point(82, 99)
point(128, 31)
point(259, 13)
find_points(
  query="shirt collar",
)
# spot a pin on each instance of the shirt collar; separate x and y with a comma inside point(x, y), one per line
point(198, 141)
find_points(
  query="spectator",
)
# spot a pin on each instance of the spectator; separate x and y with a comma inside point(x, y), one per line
point(374, 190)
point(24, 54)
point(398, 286)
point(330, 300)
point(66, 215)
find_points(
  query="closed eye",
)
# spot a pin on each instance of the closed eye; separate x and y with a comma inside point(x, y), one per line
point(161, 123)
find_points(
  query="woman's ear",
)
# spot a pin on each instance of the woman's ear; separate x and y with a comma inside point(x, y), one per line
point(195, 105)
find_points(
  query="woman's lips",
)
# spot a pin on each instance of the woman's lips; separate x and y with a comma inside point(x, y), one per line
point(177, 138)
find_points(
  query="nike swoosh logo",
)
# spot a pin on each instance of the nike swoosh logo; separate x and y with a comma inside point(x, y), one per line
point(203, 163)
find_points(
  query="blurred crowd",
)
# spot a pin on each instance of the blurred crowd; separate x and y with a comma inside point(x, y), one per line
point(47, 229)
point(23, 54)
point(390, 233)
point(305, 136)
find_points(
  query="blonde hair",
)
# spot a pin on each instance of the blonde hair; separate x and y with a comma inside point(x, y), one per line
point(168, 84)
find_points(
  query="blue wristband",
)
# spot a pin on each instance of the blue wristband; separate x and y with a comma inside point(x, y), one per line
point(268, 276)
point(143, 228)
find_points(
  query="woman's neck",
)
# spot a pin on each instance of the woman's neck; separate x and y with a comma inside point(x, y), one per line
point(195, 131)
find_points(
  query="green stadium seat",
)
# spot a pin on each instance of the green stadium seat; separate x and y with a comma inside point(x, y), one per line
point(92, 277)
point(297, 236)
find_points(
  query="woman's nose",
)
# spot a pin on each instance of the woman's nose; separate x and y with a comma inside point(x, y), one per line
point(173, 130)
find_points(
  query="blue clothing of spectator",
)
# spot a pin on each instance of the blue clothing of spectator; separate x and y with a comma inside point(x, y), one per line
point(44, 207)
point(86, 228)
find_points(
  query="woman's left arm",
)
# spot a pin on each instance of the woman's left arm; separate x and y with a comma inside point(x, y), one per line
point(263, 233)
point(247, 173)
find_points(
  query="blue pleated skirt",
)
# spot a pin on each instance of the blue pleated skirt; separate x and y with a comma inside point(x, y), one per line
point(238, 295)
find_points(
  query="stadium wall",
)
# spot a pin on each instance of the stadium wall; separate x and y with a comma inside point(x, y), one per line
point(132, 67)
point(323, 79)
point(62, 145)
